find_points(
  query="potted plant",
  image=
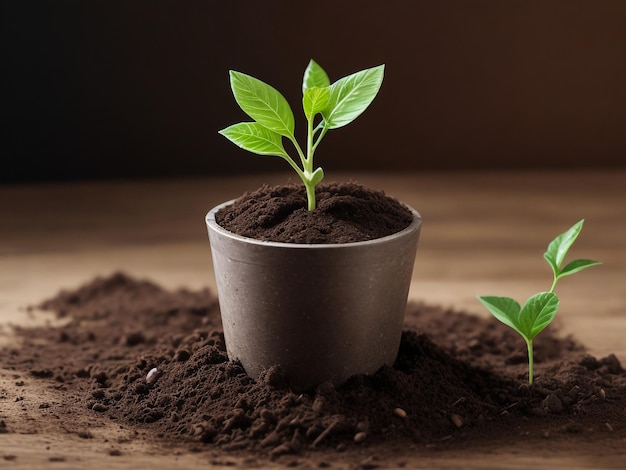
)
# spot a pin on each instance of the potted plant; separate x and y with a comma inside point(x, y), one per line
point(321, 308)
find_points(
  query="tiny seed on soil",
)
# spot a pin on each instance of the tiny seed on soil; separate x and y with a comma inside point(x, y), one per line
point(399, 412)
point(608, 427)
point(152, 375)
point(362, 426)
point(360, 437)
point(456, 420)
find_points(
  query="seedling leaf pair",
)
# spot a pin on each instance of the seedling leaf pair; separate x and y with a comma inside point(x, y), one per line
point(325, 105)
point(540, 309)
point(529, 320)
point(558, 248)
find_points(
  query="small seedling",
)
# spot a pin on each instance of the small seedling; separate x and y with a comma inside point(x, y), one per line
point(540, 309)
point(326, 106)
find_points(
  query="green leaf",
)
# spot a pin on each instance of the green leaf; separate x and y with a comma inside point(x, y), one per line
point(504, 309)
point(351, 95)
point(317, 176)
point(314, 76)
point(537, 313)
point(558, 248)
point(314, 101)
point(262, 103)
point(255, 138)
point(577, 265)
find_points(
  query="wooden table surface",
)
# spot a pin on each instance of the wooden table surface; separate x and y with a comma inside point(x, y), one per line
point(483, 233)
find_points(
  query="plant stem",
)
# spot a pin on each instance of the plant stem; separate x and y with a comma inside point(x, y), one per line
point(306, 171)
point(298, 150)
point(556, 278)
point(324, 129)
point(309, 147)
point(308, 167)
point(310, 195)
point(529, 344)
point(307, 163)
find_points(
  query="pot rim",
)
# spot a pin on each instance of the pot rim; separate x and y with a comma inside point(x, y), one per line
point(212, 224)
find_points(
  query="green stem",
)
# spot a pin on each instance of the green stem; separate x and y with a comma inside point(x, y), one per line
point(306, 171)
point(307, 164)
point(309, 147)
point(310, 195)
point(556, 278)
point(294, 166)
point(299, 150)
point(324, 129)
point(529, 343)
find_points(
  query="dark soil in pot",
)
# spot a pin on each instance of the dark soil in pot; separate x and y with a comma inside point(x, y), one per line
point(345, 212)
point(458, 383)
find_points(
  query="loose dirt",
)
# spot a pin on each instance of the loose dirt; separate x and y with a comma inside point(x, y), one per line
point(154, 360)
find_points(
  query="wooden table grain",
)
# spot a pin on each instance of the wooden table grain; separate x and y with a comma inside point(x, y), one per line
point(483, 233)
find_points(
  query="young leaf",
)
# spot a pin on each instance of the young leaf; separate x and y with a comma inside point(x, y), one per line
point(255, 138)
point(262, 103)
point(537, 313)
point(314, 101)
point(317, 176)
point(558, 248)
point(314, 76)
point(351, 95)
point(504, 309)
point(577, 265)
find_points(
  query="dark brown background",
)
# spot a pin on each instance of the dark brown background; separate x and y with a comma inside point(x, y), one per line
point(110, 89)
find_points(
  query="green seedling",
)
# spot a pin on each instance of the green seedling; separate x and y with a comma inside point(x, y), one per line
point(326, 106)
point(540, 309)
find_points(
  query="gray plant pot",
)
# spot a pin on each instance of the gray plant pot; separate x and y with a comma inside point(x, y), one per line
point(321, 312)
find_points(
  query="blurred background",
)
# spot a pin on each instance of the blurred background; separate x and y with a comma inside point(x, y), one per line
point(136, 89)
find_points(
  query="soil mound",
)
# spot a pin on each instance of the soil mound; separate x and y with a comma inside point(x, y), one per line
point(156, 359)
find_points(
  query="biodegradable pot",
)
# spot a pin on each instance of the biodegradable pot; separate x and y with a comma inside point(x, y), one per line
point(323, 312)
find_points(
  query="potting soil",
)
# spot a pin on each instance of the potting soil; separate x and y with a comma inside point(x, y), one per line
point(345, 212)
